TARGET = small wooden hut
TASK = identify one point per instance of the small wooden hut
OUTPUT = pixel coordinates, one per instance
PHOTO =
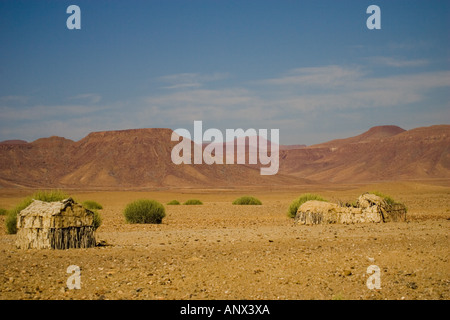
(55, 225)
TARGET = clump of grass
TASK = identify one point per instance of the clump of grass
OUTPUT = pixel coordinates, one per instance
(92, 205)
(173, 203)
(47, 196)
(50, 195)
(386, 198)
(193, 202)
(299, 201)
(11, 219)
(247, 200)
(389, 200)
(3, 212)
(97, 219)
(11, 223)
(144, 211)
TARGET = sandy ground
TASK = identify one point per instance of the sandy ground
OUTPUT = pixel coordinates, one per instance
(221, 251)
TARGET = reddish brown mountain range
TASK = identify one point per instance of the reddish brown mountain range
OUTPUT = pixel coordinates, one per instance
(117, 159)
(382, 153)
(142, 158)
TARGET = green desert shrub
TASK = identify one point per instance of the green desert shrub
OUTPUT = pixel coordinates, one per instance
(97, 219)
(47, 196)
(144, 211)
(299, 201)
(3, 212)
(389, 200)
(193, 202)
(173, 203)
(92, 205)
(247, 200)
(50, 195)
(11, 218)
(386, 198)
(11, 223)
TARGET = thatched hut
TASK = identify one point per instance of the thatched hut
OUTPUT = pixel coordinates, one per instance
(55, 225)
(369, 208)
(387, 211)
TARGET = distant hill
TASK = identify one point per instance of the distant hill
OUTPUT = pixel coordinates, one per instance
(140, 158)
(381, 153)
(373, 134)
(118, 159)
(13, 142)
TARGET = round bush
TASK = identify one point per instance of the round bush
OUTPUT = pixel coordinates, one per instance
(193, 202)
(144, 211)
(3, 212)
(247, 200)
(173, 203)
(92, 205)
(299, 201)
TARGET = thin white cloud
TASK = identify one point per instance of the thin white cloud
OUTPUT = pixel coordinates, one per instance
(87, 97)
(190, 80)
(13, 99)
(328, 75)
(411, 82)
(185, 85)
(398, 63)
(410, 45)
(201, 104)
(202, 97)
(43, 112)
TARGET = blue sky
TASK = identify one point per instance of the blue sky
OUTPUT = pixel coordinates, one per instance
(311, 69)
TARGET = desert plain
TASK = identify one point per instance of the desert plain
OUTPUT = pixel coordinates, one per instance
(222, 251)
